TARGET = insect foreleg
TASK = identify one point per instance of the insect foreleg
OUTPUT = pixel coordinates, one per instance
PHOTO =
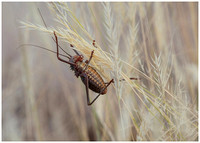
(58, 52)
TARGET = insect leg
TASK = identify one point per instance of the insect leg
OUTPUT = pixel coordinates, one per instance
(132, 78)
(87, 62)
(58, 53)
(90, 57)
(101, 92)
(86, 87)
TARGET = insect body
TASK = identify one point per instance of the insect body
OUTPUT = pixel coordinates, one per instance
(95, 81)
(88, 75)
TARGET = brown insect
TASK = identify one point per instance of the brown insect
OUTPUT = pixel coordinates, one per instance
(89, 76)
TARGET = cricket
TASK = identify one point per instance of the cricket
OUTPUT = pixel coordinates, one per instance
(88, 75)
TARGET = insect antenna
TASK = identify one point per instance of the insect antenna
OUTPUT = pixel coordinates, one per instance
(43, 49)
(52, 37)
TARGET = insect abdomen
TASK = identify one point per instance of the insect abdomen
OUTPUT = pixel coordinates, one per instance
(95, 81)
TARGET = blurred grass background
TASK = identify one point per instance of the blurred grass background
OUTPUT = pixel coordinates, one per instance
(43, 100)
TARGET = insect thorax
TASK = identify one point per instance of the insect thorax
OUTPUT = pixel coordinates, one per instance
(78, 69)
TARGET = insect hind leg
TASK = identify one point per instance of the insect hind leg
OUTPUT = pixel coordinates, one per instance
(132, 78)
(87, 89)
(90, 103)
